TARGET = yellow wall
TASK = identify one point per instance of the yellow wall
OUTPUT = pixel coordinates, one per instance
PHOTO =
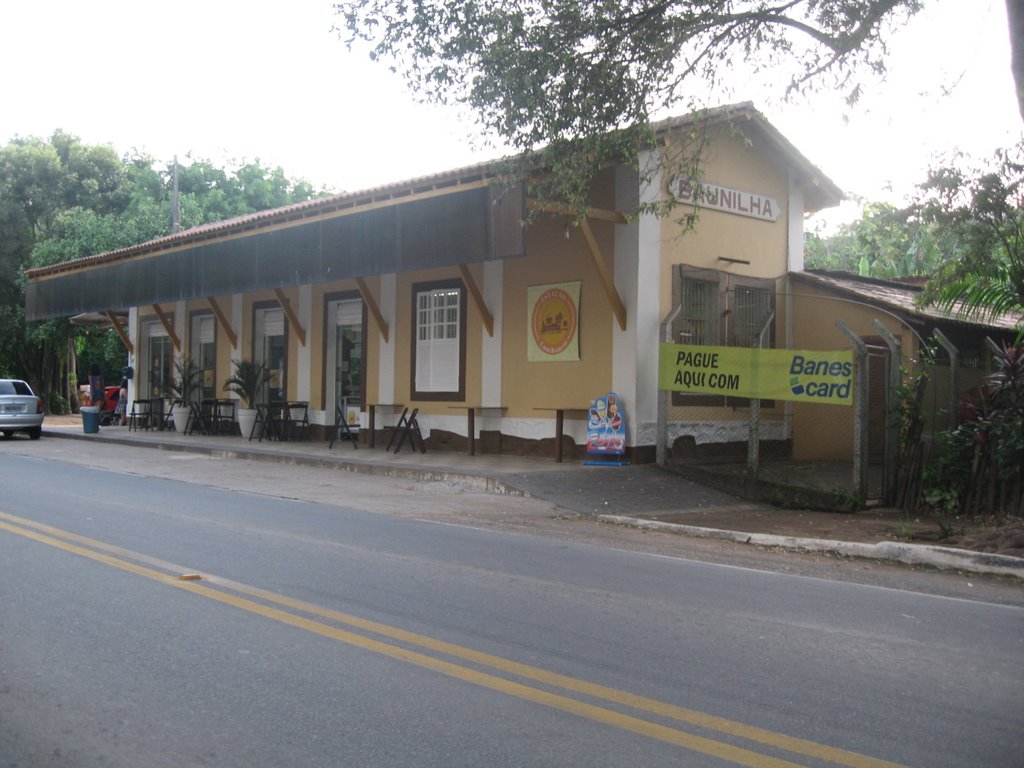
(826, 431)
(554, 259)
(730, 161)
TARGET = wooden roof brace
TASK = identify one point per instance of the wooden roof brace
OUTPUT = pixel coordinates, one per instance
(601, 214)
(120, 332)
(169, 327)
(371, 305)
(602, 272)
(293, 318)
(223, 321)
(478, 299)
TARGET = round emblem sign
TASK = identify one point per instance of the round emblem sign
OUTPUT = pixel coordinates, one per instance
(554, 321)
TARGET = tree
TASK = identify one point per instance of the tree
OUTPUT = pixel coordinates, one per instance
(578, 80)
(61, 199)
(885, 241)
(964, 231)
(982, 209)
(38, 180)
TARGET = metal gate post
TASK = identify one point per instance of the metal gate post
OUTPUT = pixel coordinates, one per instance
(954, 377)
(892, 423)
(860, 414)
(661, 449)
(754, 436)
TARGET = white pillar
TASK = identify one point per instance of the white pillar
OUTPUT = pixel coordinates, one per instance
(490, 354)
(181, 328)
(133, 359)
(236, 322)
(638, 278)
(795, 227)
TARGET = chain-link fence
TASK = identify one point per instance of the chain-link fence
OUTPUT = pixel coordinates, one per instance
(796, 452)
(894, 443)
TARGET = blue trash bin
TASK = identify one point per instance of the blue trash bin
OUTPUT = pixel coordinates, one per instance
(90, 418)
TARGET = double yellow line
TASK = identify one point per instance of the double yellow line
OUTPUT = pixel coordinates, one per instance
(402, 645)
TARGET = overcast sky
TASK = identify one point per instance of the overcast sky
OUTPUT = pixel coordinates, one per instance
(263, 79)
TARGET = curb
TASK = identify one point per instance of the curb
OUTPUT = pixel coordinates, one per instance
(911, 554)
(477, 482)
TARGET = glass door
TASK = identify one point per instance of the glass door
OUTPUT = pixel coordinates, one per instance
(204, 354)
(160, 358)
(345, 358)
(269, 348)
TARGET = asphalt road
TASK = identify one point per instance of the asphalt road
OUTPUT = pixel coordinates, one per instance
(376, 631)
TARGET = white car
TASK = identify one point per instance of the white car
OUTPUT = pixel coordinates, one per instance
(20, 409)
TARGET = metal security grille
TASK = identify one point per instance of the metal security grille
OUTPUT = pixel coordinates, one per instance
(698, 320)
(752, 306)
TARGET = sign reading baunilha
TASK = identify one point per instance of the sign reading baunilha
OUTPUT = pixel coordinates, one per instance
(769, 374)
(725, 199)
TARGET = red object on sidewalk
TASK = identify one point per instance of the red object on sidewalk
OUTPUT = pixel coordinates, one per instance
(110, 397)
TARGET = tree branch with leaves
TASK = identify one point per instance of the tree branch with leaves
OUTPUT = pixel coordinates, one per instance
(579, 80)
(984, 209)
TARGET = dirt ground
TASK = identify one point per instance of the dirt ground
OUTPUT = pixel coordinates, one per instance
(871, 526)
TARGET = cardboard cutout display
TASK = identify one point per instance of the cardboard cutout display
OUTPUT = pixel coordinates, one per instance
(606, 430)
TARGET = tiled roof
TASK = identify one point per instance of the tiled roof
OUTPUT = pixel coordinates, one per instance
(900, 297)
(821, 192)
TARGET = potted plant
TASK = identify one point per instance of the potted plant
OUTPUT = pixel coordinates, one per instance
(186, 384)
(247, 378)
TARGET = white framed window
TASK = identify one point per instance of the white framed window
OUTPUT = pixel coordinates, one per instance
(440, 340)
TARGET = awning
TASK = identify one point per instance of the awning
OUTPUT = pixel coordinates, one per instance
(449, 228)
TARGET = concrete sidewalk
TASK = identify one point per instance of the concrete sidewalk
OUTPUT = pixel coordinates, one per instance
(629, 495)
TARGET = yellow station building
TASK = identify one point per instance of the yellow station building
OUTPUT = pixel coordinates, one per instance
(483, 309)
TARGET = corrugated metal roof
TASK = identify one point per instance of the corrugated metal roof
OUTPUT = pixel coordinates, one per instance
(467, 225)
(304, 212)
(900, 297)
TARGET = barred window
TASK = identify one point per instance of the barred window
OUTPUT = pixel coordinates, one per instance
(751, 309)
(698, 320)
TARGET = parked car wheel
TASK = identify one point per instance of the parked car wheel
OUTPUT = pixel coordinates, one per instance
(35, 433)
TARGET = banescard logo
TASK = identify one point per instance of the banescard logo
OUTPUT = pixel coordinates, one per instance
(820, 378)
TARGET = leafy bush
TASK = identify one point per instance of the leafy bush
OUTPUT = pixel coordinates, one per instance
(984, 455)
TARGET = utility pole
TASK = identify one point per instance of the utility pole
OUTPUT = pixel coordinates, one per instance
(175, 203)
